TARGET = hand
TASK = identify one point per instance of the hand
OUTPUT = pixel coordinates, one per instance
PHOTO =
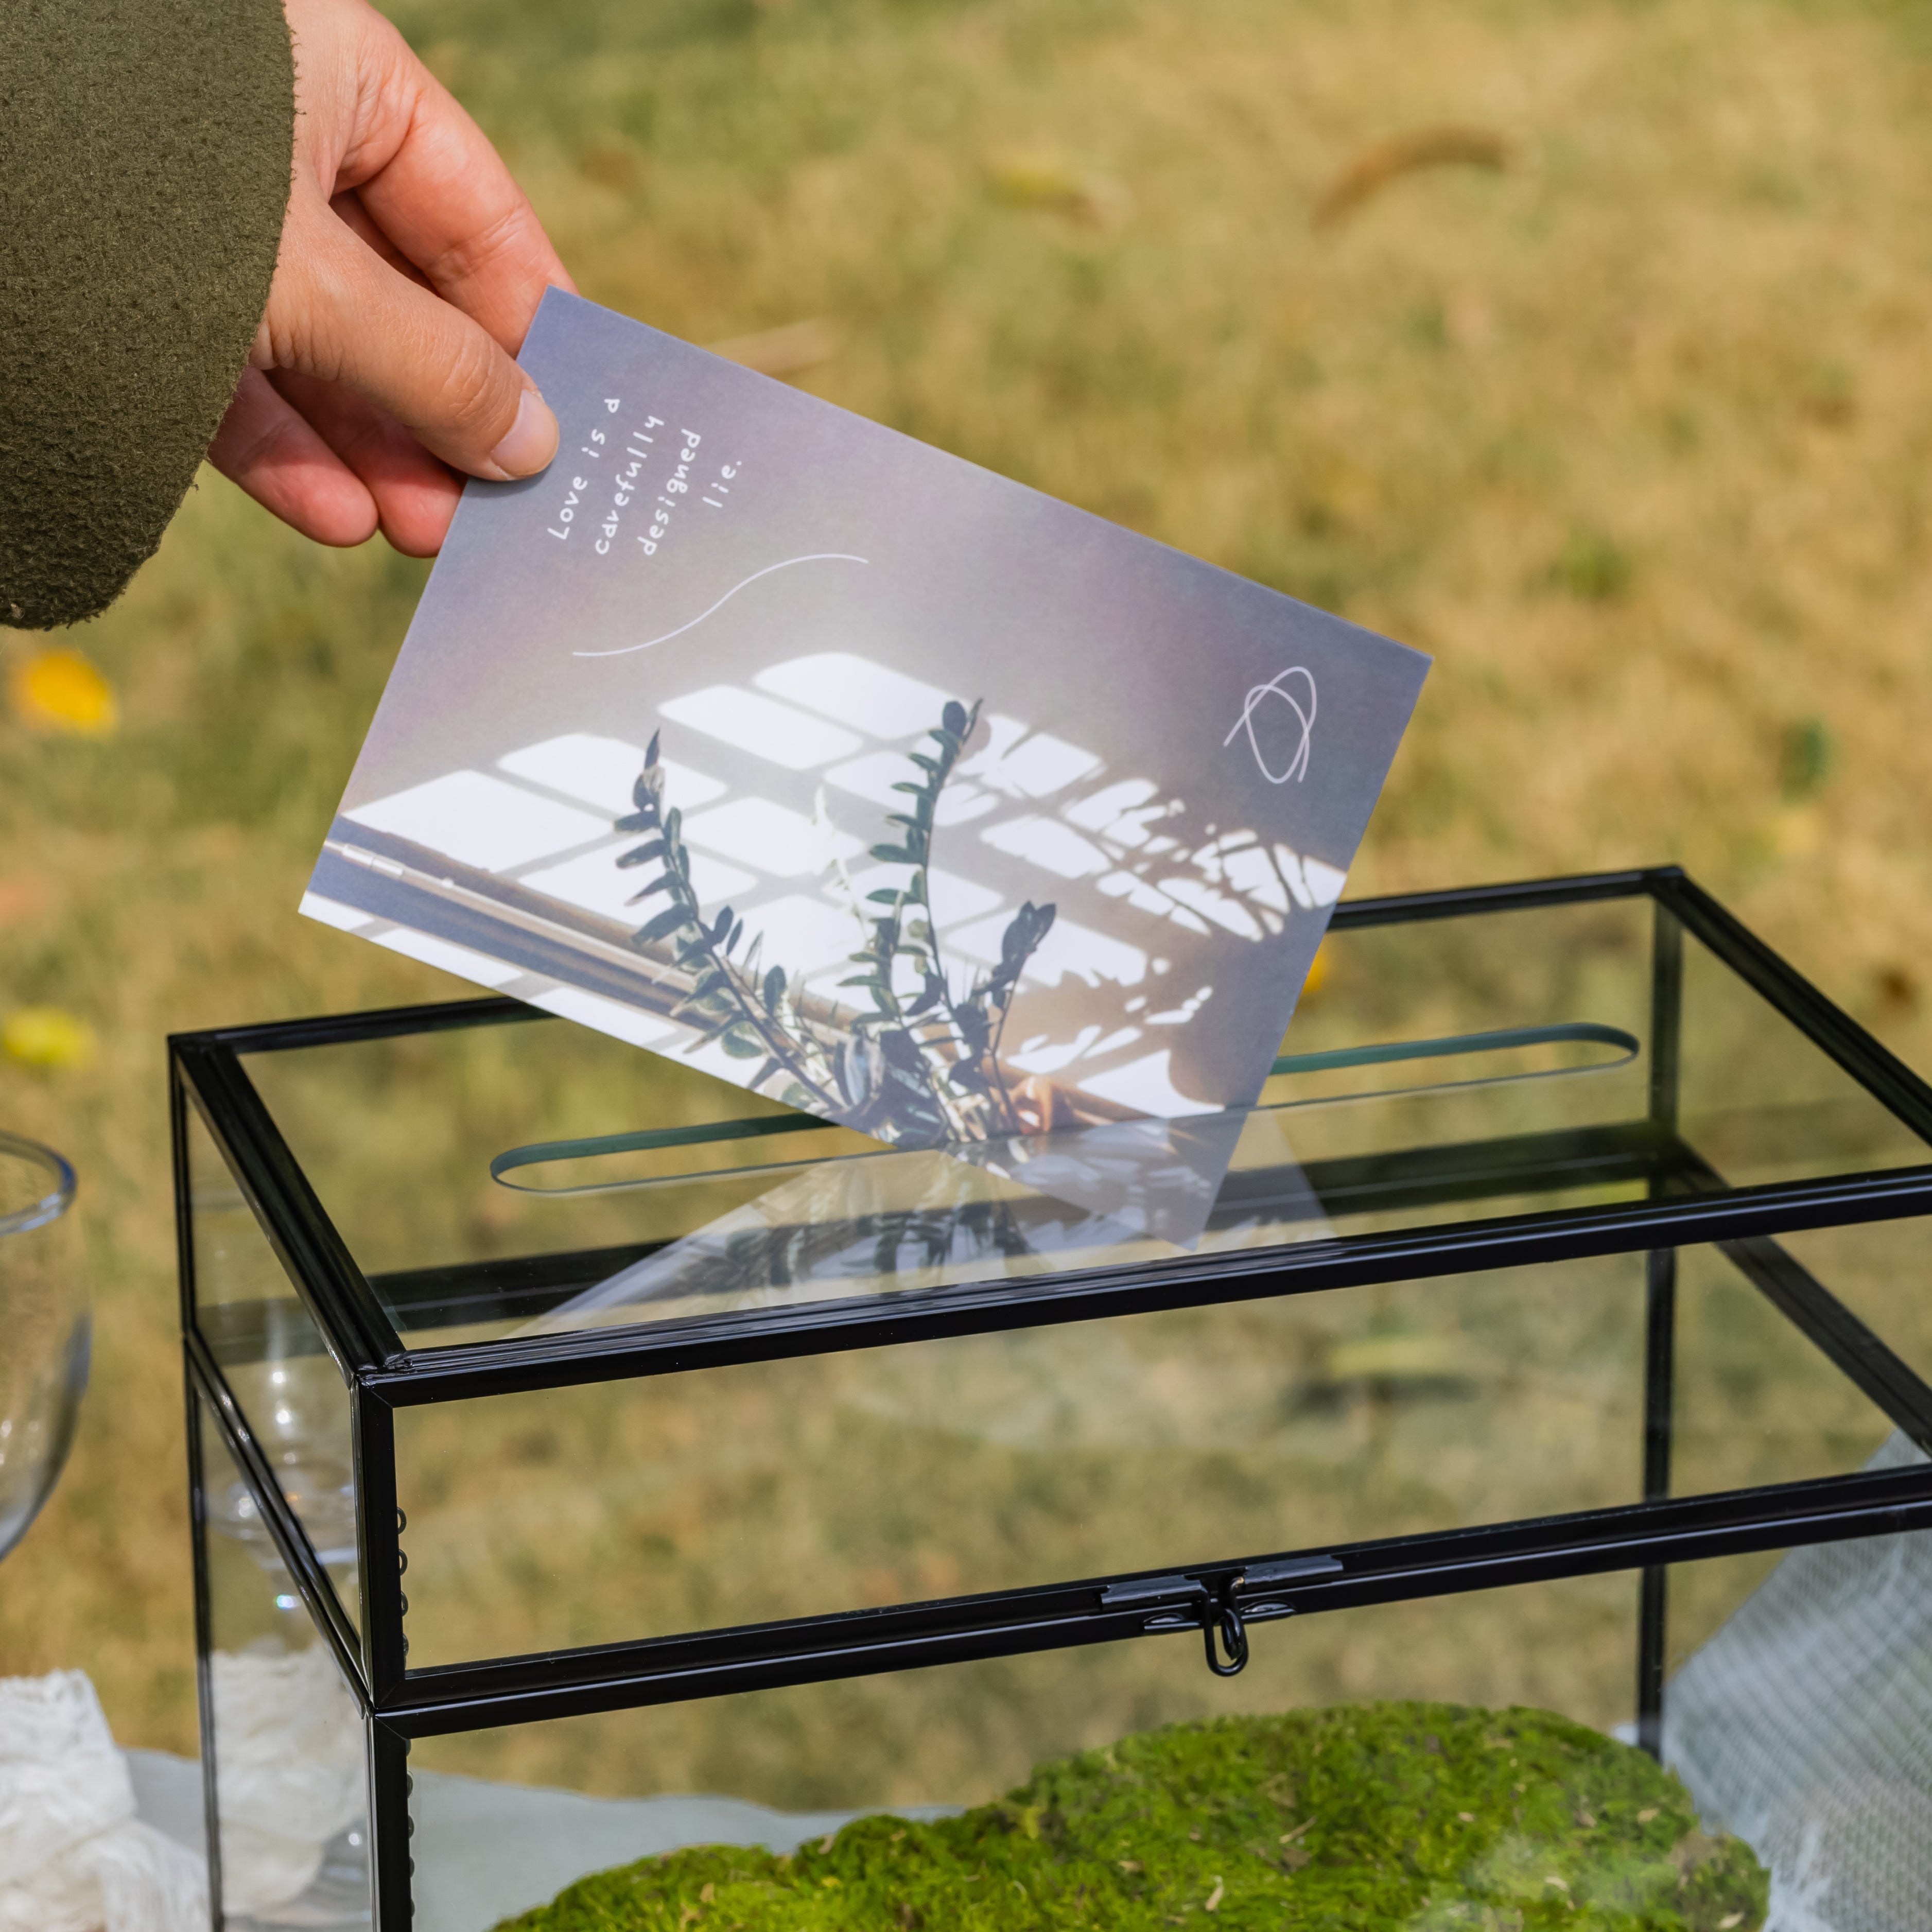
(410, 266)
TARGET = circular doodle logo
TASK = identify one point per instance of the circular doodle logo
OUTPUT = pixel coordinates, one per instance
(1291, 734)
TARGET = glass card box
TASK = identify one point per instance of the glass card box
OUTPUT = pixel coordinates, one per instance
(590, 1459)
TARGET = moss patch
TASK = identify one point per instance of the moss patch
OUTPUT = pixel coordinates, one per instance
(1424, 1816)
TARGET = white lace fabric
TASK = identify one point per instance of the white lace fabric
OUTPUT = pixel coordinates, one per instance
(73, 1857)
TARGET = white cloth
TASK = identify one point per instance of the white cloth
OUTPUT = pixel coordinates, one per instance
(74, 1858)
(290, 1771)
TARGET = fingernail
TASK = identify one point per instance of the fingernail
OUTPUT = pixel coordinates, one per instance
(532, 441)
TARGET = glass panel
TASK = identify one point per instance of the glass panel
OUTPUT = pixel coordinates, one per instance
(399, 1136)
(1792, 1713)
(500, 1825)
(274, 1356)
(286, 1745)
(1538, 970)
(491, 1174)
(1757, 1401)
(1882, 1272)
(948, 1467)
(1760, 1102)
(1802, 1717)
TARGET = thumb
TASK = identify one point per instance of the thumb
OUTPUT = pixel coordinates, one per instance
(337, 311)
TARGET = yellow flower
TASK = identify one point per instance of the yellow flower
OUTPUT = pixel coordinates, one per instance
(57, 690)
(1318, 972)
(47, 1036)
(1041, 178)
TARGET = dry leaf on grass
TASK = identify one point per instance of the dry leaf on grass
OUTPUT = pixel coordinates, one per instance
(1401, 1358)
(1374, 168)
(783, 351)
(612, 162)
(23, 895)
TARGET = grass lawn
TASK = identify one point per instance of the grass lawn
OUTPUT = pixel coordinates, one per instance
(1628, 419)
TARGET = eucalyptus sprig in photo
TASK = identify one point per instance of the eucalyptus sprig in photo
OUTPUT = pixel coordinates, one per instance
(923, 1064)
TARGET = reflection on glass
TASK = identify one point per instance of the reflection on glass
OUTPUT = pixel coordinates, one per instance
(286, 1748)
(915, 1219)
(44, 1334)
(272, 1353)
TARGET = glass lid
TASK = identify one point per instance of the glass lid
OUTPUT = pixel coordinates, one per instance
(520, 1175)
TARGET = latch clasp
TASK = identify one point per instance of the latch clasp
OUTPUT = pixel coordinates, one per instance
(1222, 1605)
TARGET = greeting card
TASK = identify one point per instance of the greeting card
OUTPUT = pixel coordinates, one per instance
(771, 740)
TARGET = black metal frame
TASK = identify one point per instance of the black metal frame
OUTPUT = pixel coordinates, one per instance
(1684, 1202)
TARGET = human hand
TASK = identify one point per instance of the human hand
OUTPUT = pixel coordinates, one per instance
(410, 266)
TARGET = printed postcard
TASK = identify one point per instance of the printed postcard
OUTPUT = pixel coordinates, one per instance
(766, 738)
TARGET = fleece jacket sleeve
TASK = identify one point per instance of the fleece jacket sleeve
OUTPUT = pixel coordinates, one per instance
(145, 152)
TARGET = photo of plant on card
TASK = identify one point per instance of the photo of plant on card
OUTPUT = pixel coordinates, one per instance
(763, 737)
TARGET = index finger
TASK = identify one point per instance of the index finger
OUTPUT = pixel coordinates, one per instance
(429, 178)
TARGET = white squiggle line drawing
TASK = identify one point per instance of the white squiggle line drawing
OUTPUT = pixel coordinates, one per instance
(1297, 766)
(817, 556)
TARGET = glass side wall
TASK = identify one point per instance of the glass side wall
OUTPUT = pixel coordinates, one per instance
(1755, 1400)
(1552, 1004)
(286, 1742)
(1781, 1669)
(949, 1467)
(1760, 1102)
(399, 1136)
(1882, 1272)
(491, 1174)
(272, 1354)
(501, 1819)
(1798, 1710)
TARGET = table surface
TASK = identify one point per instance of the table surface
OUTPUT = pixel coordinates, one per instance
(484, 1851)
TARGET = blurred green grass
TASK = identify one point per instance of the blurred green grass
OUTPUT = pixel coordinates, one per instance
(1633, 434)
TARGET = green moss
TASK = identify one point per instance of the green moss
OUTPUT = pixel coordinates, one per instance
(1429, 1817)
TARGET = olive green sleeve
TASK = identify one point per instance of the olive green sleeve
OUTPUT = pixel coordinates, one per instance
(144, 153)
